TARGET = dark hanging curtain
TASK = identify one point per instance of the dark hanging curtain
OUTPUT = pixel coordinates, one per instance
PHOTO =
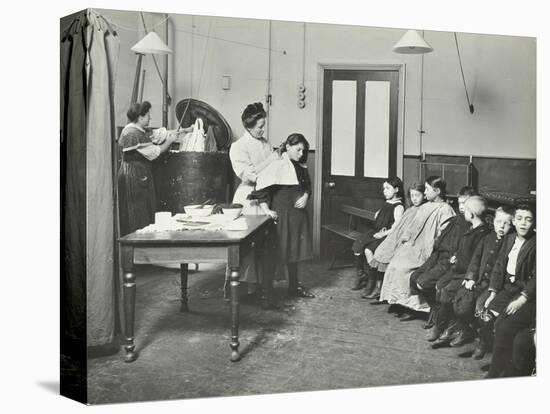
(73, 178)
(103, 49)
(89, 286)
(73, 211)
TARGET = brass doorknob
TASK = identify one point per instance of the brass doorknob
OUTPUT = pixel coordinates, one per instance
(331, 184)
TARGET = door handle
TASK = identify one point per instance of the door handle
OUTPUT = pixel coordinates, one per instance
(330, 184)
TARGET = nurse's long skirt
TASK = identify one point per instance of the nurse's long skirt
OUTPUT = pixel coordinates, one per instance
(250, 269)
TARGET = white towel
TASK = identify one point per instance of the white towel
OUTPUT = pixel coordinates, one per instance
(239, 224)
(279, 172)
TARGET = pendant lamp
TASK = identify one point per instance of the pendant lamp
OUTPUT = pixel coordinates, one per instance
(151, 44)
(412, 43)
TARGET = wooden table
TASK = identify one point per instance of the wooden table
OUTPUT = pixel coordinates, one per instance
(189, 246)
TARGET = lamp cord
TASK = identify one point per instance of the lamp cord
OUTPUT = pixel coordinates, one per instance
(204, 56)
(133, 29)
(193, 33)
(180, 121)
(153, 56)
(421, 130)
(470, 105)
(304, 57)
(268, 93)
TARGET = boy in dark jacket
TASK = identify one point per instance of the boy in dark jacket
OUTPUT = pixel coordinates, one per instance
(424, 278)
(470, 298)
(447, 286)
(512, 298)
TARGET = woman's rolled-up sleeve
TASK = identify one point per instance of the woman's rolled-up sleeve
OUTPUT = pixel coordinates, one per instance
(150, 152)
(158, 136)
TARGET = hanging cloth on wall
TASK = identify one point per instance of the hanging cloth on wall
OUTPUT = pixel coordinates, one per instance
(89, 50)
(73, 185)
(102, 53)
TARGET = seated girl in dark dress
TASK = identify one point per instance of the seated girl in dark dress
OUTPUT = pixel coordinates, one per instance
(364, 247)
(284, 197)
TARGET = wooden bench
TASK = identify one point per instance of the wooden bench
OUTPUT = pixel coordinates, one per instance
(350, 231)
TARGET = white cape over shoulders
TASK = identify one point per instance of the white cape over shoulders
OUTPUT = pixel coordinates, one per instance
(279, 172)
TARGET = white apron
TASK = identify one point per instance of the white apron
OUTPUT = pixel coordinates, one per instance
(246, 154)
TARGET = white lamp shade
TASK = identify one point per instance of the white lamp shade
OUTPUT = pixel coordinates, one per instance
(151, 44)
(412, 43)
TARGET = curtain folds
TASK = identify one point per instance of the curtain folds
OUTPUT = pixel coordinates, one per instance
(89, 50)
(73, 176)
(102, 52)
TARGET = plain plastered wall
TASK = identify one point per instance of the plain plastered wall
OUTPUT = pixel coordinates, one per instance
(499, 70)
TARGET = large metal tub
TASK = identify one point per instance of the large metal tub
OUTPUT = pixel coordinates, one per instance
(191, 178)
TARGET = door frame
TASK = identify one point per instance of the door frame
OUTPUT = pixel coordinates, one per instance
(318, 180)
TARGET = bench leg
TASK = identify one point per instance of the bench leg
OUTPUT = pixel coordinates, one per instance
(333, 261)
(183, 278)
(333, 265)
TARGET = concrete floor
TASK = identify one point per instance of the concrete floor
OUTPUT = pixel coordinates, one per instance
(336, 340)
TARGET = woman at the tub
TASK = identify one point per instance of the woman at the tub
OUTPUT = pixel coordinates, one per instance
(140, 146)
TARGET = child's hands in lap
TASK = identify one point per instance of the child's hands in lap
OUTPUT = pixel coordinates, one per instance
(514, 306)
(468, 284)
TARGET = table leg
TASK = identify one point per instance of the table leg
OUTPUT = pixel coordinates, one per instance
(129, 300)
(183, 277)
(235, 356)
(129, 294)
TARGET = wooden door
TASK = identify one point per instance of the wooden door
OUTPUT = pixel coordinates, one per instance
(360, 109)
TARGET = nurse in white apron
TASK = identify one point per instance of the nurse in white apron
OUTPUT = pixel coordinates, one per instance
(249, 155)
